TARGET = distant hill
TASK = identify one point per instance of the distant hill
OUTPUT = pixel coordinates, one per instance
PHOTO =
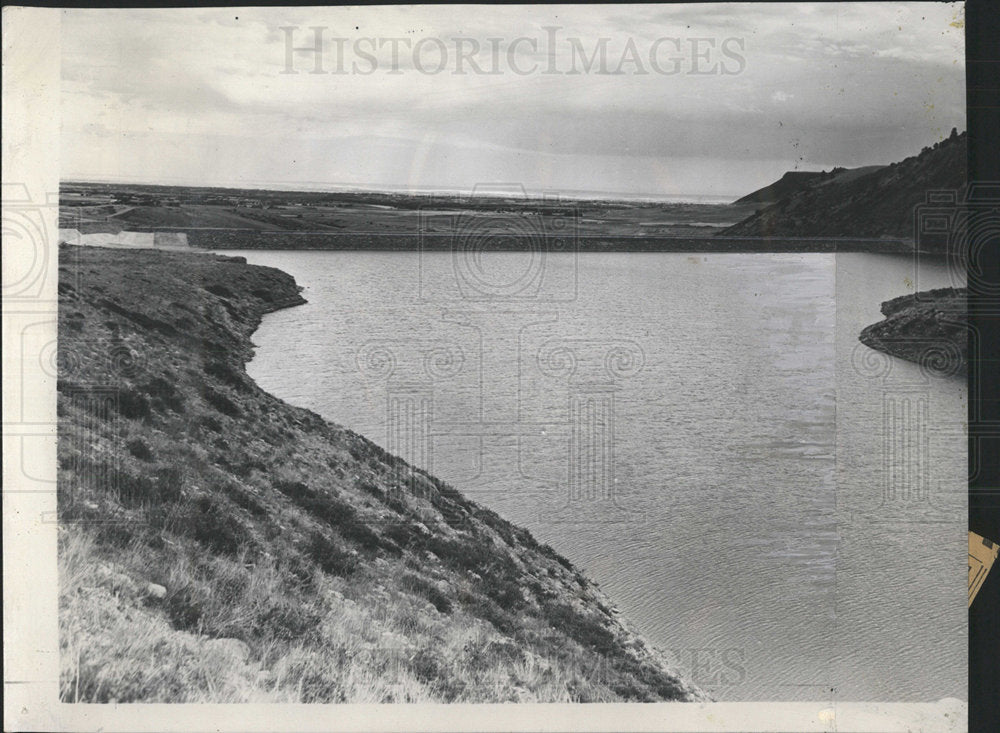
(794, 181)
(863, 202)
(791, 182)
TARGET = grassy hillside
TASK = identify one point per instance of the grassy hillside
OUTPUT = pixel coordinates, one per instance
(217, 544)
(878, 203)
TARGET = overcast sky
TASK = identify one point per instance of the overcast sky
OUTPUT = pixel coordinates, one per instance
(707, 99)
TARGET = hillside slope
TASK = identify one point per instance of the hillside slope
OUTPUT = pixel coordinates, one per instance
(217, 544)
(877, 204)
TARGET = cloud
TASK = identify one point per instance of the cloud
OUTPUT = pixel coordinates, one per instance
(839, 83)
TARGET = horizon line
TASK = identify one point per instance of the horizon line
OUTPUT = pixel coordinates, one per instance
(326, 187)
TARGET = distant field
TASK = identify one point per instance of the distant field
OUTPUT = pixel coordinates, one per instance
(192, 216)
(119, 217)
(254, 219)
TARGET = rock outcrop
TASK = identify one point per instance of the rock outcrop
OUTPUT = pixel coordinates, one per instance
(928, 328)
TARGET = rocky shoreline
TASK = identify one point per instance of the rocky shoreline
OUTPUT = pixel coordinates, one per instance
(219, 545)
(928, 328)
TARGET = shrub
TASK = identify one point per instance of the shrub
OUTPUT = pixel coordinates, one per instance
(132, 404)
(169, 483)
(336, 512)
(587, 631)
(492, 519)
(121, 535)
(364, 451)
(630, 691)
(164, 393)
(139, 449)
(295, 490)
(452, 494)
(227, 374)
(426, 666)
(220, 402)
(212, 423)
(185, 605)
(549, 552)
(478, 557)
(369, 488)
(488, 610)
(651, 679)
(525, 537)
(428, 590)
(392, 498)
(504, 592)
(330, 556)
(165, 485)
(504, 652)
(317, 688)
(298, 568)
(397, 504)
(211, 523)
(290, 620)
(403, 534)
(243, 498)
(454, 516)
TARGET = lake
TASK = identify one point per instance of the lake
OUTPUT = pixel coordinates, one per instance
(763, 497)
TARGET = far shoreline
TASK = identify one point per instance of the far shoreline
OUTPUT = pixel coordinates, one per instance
(403, 242)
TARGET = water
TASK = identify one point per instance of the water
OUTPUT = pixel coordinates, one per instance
(698, 432)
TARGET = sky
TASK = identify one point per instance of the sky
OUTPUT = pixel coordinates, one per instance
(659, 100)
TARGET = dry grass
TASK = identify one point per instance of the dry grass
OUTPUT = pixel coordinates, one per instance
(116, 645)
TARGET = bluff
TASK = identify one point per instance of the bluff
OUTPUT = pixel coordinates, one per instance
(785, 186)
(219, 545)
(867, 202)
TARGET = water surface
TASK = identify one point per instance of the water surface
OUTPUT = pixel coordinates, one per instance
(698, 432)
